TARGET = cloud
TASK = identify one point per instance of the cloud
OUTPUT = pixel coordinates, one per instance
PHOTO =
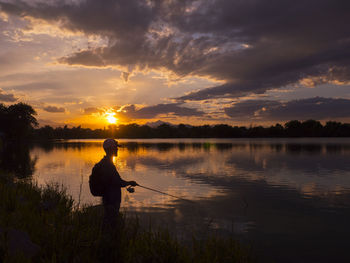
(7, 97)
(222, 91)
(91, 110)
(250, 108)
(54, 109)
(150, 112)
(252, 46)
(42, 86)
(317, 108)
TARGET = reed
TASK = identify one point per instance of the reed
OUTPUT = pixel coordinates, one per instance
(66, 234)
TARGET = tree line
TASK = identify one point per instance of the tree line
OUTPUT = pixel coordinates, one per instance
(18, 121)
(294, 128)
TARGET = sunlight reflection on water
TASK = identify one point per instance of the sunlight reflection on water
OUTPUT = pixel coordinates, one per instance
(186, 168)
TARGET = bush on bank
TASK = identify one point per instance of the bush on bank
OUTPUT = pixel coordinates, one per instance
(43, 225)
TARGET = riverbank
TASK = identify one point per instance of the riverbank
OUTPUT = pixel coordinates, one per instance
(44, 225)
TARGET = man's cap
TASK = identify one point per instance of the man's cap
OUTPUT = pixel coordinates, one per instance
(110, 143)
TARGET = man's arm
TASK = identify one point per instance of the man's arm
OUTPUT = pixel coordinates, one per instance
(124, 183)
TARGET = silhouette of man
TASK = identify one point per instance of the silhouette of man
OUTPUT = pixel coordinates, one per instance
(112, 195)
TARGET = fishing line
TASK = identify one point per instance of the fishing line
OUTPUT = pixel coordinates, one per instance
(160, 192)
(198, 209)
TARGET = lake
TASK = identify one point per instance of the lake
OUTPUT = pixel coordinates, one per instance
(288, 198)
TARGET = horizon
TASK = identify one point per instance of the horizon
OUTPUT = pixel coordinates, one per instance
(91, 63)
(157, 123)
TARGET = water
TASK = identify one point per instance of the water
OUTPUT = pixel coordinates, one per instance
(289, 198)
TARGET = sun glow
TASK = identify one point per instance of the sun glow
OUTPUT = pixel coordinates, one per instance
(110, 117)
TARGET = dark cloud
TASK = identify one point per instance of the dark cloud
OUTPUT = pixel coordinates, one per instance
(223, 91)
(251, 45)
(7, 97)
(313, 108)
(250, 108)
(150, 112)
(54, 109)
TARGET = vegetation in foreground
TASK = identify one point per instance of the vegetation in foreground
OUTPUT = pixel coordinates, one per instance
(43, 225)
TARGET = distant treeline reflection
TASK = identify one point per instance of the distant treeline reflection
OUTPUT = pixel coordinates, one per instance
(294, 128)
(16, 158)
(293, 148)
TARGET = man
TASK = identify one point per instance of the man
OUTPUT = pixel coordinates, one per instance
(111, 197)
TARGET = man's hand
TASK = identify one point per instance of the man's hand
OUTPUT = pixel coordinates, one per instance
(133, 183)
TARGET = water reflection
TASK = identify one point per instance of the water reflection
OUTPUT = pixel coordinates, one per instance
(283, 195)
(15, 159)
(310, 168)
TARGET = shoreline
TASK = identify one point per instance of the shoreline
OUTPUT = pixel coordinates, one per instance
(47, 226)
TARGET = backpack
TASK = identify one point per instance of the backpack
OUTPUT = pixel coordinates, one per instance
(97, 181)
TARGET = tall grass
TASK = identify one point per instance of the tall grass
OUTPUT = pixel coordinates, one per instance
(67, 234)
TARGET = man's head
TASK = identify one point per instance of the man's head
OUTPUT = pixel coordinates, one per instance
(111, 147)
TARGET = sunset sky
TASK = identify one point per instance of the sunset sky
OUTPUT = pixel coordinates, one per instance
(240, 62)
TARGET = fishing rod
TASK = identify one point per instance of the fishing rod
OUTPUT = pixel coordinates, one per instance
(131, 190)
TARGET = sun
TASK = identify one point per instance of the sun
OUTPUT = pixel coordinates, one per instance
(110, 117)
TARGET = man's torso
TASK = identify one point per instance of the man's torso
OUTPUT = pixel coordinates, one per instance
(112, 180)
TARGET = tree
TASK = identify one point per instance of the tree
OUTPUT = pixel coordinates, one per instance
(293, 128)
(332, 128)
(17, 120)
(311, 128)
(276, 131)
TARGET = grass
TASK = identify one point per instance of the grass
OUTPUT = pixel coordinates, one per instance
(66, 234)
